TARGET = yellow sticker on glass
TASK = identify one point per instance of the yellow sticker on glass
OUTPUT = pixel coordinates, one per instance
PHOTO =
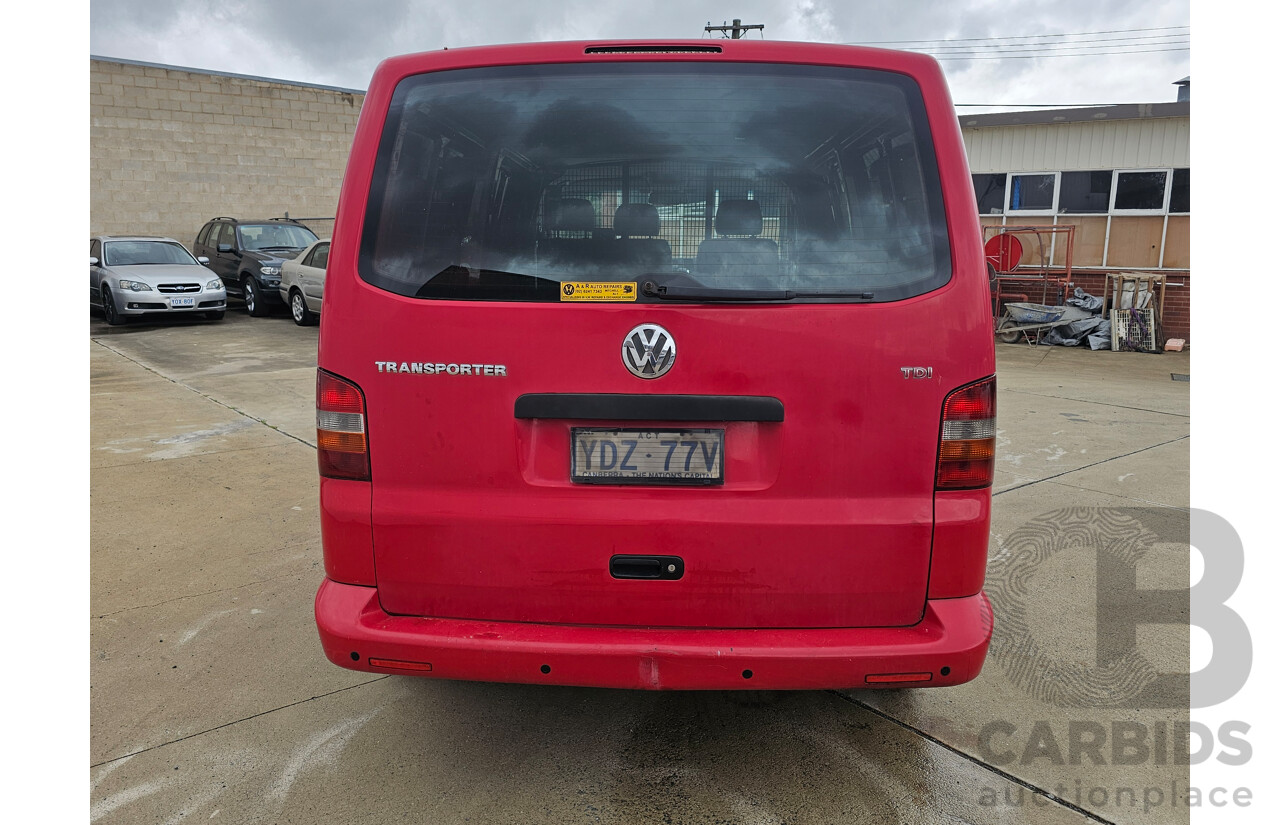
(597, 291)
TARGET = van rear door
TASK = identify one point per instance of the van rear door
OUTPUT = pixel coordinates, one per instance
(539, 238)
(822, 519)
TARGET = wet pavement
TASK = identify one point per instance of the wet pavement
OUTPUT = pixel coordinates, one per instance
(212, 701)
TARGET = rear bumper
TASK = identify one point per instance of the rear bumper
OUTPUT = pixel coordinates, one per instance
(953, 637)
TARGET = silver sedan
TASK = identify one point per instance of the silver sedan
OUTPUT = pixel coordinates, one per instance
(302, 283)
(133, 276)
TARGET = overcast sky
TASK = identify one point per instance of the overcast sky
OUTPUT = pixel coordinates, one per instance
(1006, 52)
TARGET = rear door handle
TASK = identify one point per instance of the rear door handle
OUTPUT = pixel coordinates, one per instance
(646, 567)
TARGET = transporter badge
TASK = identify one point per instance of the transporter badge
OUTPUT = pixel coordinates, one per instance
(648, 351)
(427, 368)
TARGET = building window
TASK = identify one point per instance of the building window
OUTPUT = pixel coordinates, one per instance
(1140, 190)
(1085, 192)
(989, 190)
(1031, 193)
(1093, 192)
(1180, 192)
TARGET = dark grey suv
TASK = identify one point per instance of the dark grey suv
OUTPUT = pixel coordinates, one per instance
(247, 256)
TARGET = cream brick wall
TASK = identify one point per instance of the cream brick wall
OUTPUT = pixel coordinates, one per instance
(170, 148)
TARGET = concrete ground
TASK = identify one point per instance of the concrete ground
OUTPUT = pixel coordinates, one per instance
(211, 698)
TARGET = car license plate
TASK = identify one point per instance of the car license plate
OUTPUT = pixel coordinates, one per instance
(182, 302)
(607, 456)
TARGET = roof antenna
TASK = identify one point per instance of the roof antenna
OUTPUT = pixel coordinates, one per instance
(735, 31)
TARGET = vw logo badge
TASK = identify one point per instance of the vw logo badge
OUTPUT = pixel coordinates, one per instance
(648, 351)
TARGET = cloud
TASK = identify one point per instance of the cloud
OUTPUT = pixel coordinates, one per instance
(334, 42)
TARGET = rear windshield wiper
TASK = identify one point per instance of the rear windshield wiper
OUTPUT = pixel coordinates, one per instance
(698, 293)
(677, 293)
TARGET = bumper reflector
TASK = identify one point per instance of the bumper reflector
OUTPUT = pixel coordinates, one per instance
(421, 667)
(890, 678)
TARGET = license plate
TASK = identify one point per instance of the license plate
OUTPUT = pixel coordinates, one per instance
(182, 302)
(603, 456)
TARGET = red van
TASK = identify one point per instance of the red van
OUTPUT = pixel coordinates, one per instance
(657, 365)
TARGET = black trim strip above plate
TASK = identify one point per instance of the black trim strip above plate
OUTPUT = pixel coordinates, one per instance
(624, 407)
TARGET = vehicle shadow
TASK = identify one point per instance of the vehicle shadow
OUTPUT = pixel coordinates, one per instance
(580, 754)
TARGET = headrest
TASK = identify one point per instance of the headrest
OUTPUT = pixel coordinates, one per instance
(739, 218)
(574, 215)
(637, 219)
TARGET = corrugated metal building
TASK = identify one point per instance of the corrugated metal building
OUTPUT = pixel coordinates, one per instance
(1120, 174)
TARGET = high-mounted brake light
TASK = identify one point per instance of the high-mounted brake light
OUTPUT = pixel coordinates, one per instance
(341, 441)
(967, 447)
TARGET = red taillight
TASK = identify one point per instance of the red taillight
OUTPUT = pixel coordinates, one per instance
(341, 441)
(967, 447)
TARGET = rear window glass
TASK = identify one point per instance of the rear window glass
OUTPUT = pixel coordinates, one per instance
(695, 181)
